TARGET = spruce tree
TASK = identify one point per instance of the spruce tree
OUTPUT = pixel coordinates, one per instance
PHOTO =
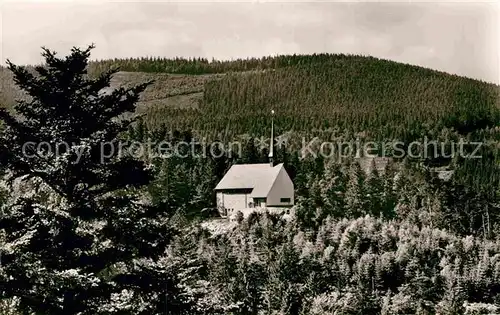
(355, 205)
(250, 153)
(84, 241)
(374, 190)
(332, 189)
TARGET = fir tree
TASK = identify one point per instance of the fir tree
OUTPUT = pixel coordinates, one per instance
(84, 242)
(333, 187)
(374, 191)
(355, 204)
(250, 154)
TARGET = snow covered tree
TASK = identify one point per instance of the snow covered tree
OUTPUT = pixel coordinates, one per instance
(355, 203)
(374, 190)
(83, 241)
(389, 194)
(333, 189)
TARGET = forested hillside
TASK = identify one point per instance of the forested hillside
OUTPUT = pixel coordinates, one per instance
(361, 266)
(124, 237)
(342, 93)
(335, 97)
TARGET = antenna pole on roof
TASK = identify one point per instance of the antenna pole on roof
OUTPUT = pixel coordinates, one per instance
(271, 149)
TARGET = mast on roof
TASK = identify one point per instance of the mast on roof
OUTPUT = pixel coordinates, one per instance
(271, 145)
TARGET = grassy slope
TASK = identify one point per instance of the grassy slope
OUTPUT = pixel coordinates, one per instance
(167, 90)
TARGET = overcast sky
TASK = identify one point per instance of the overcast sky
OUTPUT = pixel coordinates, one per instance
(461, 38)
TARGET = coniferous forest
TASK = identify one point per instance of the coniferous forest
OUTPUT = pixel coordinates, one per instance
(137, 234)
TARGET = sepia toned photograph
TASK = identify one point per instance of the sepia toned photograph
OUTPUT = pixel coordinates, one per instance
(249, 157)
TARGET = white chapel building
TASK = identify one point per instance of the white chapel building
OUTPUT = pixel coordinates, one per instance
(247, 187)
